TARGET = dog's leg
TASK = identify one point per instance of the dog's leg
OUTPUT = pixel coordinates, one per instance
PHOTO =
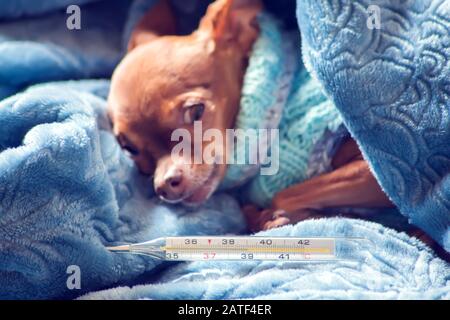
(351, 185)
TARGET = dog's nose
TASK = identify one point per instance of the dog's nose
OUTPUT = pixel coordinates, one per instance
(171, 187)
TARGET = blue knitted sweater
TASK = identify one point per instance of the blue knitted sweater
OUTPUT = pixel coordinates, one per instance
(279, 92)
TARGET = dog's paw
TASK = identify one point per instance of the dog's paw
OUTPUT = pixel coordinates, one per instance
(265, 219)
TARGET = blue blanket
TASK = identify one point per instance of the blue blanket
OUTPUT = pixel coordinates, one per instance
(394, 266)
(67, 190)
(392, 87)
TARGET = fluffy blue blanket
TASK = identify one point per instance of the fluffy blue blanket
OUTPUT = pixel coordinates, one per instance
(394, 267)
(67, 190)
(392, 87)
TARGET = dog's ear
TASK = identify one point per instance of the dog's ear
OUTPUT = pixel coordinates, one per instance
(158, 21)
(229, 21)
(217, 20)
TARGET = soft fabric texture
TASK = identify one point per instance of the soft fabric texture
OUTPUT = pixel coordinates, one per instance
(393, 90)
(39, 50)
(393, 266)
(67, 190)
(278, 92)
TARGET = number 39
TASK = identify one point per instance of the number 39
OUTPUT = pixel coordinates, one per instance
(247, 256)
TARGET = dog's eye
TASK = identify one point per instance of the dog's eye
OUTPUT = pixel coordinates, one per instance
(126, 145)
(111, 124)
(132, 151)
(193, 112)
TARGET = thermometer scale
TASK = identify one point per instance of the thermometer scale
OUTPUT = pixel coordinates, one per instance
(194, 248)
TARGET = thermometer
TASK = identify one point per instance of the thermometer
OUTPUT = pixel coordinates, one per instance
(244, 248)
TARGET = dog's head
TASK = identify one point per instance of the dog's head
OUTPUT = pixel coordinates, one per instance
(168, 82)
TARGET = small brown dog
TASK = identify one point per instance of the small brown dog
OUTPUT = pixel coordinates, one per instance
(167, 82)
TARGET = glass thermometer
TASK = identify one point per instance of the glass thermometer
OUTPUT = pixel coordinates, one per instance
(194, 248)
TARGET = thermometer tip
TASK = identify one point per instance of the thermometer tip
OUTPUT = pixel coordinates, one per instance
(119, 248)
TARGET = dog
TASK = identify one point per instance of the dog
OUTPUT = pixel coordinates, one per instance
(167, 82)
